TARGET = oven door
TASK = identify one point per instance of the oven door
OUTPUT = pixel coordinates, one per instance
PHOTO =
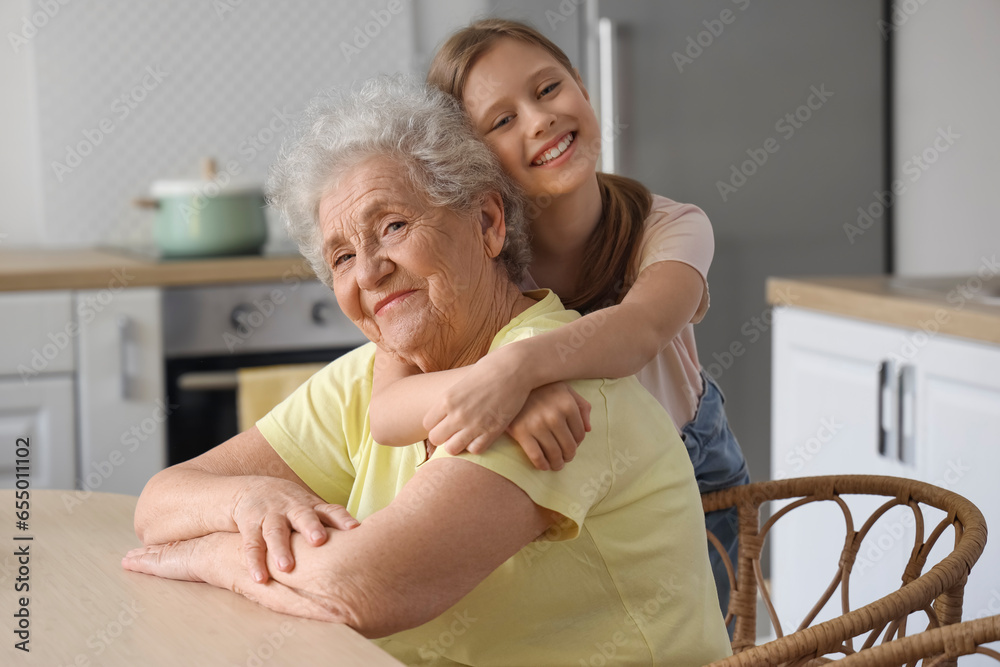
(203, 394)
(212, 332)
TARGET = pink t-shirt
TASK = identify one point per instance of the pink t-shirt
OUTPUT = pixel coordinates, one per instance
(680, 233)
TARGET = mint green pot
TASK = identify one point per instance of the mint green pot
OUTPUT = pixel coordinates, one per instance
(198, 219)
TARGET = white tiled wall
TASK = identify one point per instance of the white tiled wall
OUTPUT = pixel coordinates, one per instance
(129, 92)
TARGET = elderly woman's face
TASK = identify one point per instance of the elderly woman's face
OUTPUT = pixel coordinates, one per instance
(410, 275)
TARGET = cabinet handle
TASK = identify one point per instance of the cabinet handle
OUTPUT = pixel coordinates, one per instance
(128, 357)
(906, 412)
(885, 413)
(208, 381)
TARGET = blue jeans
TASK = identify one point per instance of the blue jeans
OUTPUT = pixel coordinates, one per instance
(718, 464)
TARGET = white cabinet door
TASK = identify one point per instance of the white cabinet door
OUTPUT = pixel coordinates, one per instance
(40, 412)
(957, 411)
(38, 332)
(121, 393)
(827, 376)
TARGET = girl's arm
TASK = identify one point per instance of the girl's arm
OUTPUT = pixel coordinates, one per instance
(549, 427)
(401, 396)
(614, 342)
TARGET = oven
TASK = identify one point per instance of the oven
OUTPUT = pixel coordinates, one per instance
(210, 332)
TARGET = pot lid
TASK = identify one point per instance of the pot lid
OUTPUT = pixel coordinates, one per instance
(204, 188)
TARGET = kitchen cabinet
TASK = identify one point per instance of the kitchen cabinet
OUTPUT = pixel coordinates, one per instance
(123, 414)
(39, 415)
(37, 361)
(958, 429)
(852, 396)
(81, 377)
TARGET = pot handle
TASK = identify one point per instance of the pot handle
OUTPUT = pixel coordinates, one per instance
(146, 202)
(209, 170)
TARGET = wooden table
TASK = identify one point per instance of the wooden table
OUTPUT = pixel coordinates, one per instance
(85, 610)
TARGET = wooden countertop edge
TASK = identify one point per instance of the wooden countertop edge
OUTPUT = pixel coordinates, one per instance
(910, 312)
(130, 272)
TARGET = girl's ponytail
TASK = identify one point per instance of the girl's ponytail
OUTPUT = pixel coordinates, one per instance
(614, 244)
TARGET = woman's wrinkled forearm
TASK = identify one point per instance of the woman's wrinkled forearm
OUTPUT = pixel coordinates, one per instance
(182, 503)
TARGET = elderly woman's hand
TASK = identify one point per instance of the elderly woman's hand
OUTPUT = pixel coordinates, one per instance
(214, 559)
(266, 512)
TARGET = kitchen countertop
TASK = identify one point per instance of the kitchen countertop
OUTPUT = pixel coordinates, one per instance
(45, 269)
(964, 306)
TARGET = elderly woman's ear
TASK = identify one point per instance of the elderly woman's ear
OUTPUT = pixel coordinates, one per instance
(493, 223)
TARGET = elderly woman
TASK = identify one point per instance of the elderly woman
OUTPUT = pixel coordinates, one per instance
(408, 217)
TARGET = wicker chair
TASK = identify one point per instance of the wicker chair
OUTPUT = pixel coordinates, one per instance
(935, 647)
(938, 592)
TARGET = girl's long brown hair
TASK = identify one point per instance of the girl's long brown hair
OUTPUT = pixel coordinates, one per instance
(625, 203)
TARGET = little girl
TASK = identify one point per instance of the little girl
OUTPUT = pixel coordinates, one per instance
(632, 263)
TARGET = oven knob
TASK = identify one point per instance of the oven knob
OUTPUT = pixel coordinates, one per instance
(238, 318)
(323, 312)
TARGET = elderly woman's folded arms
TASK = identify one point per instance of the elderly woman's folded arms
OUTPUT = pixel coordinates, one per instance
(475, 559)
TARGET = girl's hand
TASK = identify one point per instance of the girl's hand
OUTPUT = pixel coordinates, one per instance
(266, 512)
(551, 425)
(475, 411)
(493, 398)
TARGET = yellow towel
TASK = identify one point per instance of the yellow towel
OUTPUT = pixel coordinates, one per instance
(263, 387)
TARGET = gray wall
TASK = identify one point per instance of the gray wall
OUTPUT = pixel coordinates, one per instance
(691, 122)
(948, 53)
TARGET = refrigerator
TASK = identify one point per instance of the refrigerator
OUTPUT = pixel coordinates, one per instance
(773, 117)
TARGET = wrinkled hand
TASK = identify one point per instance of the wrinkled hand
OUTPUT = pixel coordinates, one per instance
(187, 560)
(551, 425)
(215, 559)
(266, 513)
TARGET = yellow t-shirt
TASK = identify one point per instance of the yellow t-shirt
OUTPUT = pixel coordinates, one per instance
(624, 579)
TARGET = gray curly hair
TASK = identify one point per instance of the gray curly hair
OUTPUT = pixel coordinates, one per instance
(398, 118)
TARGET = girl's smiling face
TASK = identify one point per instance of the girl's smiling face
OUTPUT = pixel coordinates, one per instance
(535, 115)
